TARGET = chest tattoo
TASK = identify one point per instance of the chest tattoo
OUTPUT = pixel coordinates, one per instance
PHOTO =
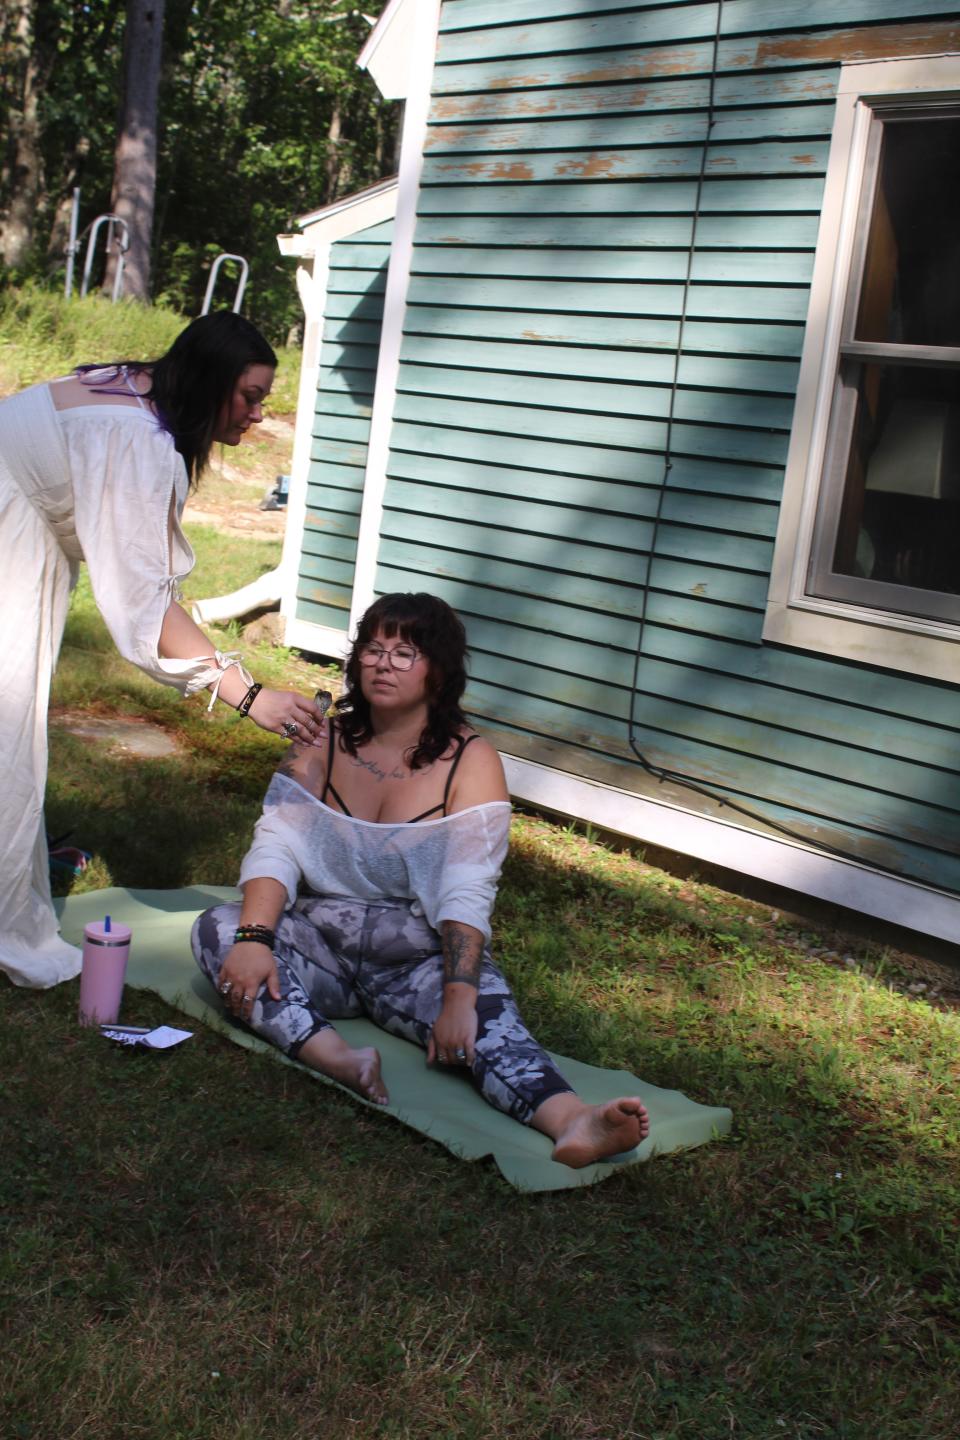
(377, 772)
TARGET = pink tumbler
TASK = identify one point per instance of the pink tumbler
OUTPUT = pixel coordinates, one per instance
(105, 950)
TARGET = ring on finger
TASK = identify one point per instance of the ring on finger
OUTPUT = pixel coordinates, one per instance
(225, 988)
(290, 729)
(460, 1053)
(247, 1000)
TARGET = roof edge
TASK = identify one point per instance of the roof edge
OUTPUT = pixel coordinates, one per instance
(386, 54)
(342, 217)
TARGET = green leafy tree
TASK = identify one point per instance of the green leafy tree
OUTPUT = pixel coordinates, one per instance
(267, 116)
(263, 115)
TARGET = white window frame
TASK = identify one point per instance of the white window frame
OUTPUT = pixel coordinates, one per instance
(794, 617)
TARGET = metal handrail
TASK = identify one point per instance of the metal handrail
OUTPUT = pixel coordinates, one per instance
(118, 236)
(241, 283)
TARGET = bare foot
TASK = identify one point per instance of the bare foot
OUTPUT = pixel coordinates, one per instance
(600, 1130)
(358, 1069)
(364, 1076)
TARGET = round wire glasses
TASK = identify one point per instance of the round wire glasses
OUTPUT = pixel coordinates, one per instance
(401, 657)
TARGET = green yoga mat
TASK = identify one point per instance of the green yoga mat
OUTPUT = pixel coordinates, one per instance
(442, 1105)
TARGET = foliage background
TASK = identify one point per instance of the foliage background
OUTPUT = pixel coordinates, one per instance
(263, 116)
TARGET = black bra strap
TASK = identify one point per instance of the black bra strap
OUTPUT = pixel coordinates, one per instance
(453, 768)
(425, 814)
(328, 782)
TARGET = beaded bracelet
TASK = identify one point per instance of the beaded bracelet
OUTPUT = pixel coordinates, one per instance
(256, 934)
(244, 707)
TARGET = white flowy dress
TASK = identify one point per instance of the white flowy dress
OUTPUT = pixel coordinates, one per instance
(102, 483)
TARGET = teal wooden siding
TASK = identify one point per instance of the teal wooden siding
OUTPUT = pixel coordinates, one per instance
(555, 229)
(353, 314)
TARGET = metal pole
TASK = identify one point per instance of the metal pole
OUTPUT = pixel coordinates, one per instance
(88, 258)
(122, 243)
(72, 244)
(241, 284)
(117, 280)
(120, 239)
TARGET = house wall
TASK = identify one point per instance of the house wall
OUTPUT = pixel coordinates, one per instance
(353, 314)
(548, 319)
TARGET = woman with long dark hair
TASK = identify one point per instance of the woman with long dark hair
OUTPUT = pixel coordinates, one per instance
(369, 888)
(96, 466)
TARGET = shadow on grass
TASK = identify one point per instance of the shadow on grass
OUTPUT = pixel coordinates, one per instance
(612, 962)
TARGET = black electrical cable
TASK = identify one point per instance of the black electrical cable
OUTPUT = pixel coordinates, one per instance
(661, 773)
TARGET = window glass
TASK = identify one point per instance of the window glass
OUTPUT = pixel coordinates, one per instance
(911, 285)
(900, 518)
(889, 515)
(866, 563)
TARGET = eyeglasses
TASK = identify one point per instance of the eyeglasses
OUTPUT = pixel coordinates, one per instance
(401, 657)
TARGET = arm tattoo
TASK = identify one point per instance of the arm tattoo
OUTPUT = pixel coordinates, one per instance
(288, 765)
(462, 953)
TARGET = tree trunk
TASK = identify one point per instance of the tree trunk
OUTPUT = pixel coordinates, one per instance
(60, 226)
(23, 177)
(135, 158)
(333, 160)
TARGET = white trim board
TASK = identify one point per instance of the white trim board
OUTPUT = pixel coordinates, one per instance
(318, 639)
(322, 229)
(390, 48)
(394, 306)
(312, 285)
(354, 212)
(794, 867)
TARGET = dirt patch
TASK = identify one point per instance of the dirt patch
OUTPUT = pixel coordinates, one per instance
(238, 479)
(236, 517)
(136, 738)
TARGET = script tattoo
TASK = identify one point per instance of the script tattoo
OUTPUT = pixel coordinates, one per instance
(462, 953)
(376, 771)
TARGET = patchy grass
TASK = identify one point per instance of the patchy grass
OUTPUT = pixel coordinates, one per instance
(125, 812)
(205, 1245)
(43, 335)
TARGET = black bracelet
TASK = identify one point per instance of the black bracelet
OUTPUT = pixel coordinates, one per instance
(256, 934)
(244, 707)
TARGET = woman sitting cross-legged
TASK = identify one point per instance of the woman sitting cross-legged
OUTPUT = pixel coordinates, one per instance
(369, 887)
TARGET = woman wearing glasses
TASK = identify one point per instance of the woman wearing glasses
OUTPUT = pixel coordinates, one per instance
(369, 887)
(95, 466)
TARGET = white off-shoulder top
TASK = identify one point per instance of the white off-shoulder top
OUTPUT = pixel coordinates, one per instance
(448, 867)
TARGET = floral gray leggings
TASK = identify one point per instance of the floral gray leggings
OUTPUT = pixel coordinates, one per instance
(338, 959)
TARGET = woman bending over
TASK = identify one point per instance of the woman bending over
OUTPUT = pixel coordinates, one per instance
(96, 466)
(369, 887)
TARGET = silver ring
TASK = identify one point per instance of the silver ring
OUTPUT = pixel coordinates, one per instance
(226, 987)
(247, 1000)
(290, 729)
(460, 1054)
(442, 1057)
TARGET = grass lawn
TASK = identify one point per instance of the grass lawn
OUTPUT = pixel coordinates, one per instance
(205, 1245)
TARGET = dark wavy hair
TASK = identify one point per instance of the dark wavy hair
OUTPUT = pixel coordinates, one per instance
(197, 376)
(437, 632)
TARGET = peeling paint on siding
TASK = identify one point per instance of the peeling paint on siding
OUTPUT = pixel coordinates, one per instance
(541, 103)
(592, 167)
(538, 312)
(866, 43)
(491, 169)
